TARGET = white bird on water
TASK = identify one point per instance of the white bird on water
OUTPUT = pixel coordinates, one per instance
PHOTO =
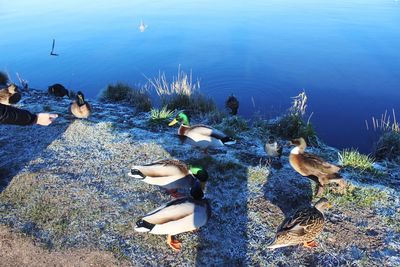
(142, 26)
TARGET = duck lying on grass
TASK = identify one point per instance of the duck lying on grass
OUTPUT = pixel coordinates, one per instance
(10, 95)
(177, 216)
(314, 167)
(79, 107)
(200, 135)
(302, 227)
(170, 174)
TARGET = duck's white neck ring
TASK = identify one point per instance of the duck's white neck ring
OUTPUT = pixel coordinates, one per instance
(296, 150)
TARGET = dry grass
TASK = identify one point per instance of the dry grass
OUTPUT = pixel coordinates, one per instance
(181, 93)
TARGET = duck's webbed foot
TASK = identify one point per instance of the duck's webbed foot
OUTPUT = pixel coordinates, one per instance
(174, 243)
(310, 244)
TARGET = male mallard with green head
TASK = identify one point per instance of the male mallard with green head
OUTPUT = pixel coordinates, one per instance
(177, 216)
(10, 95)
(170, 174)
(200, 135)
(79, 107)
(302, 227)
(314, 167)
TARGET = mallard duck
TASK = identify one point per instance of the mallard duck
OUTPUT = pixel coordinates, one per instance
(314, 167)
(57, 90)
(79, 107)
(177, 216)
(170, 174)
(302, 227)
(200, 135)
(10, 95)
(233, 104)
(273, 148)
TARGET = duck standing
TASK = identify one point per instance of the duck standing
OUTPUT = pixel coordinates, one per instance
(170, 174)
(314, 167)
(177, 216)
(302, 227)
(202, 136)
(233, 104)
(80, 108)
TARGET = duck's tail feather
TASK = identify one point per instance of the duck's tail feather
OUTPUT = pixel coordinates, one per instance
(228, 140)
(143, 226)
(136, 173)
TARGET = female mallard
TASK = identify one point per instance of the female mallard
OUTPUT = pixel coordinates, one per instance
(200, 135)
(177, 216)
(302, 227)
(79, 107)
(10, 95)
(314, 167)
(170, 174)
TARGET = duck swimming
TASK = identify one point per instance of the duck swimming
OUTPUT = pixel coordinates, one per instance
(170, 174)
(314, 167)
(79, 107)
(200, 135)
(177, 216)
(302, 227)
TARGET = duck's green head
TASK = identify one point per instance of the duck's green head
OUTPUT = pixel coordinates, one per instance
(201, 175)
(182, 118)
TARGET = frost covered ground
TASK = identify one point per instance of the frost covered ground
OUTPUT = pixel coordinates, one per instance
(65, 186)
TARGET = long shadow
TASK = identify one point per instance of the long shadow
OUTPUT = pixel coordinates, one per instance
(22, 144)
(288, 191)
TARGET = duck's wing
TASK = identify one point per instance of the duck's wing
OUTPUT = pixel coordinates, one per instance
(207, 130)
(164, 168)
(299, 223)
(171, 211)
(319, 164)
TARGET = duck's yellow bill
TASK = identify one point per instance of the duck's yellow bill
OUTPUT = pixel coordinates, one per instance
(172, 122)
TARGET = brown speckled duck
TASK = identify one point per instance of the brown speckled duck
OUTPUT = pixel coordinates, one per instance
(79, 107)
(177, 216)
(10, 95)
(302, 227)
(314, 167)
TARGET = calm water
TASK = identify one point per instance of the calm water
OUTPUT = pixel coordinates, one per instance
(345, 54)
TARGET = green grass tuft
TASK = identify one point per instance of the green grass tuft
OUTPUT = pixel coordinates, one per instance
(361, 197)
(388, 146)
(123, 93)
(160, 115)
(354, 159)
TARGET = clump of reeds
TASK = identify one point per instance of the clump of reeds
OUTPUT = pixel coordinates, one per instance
(293, 125)
(388, 144)
(123, 93)
(181, 93)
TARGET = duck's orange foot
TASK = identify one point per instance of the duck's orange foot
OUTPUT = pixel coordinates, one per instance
(174, 243)
(310, 244)
(174, 193)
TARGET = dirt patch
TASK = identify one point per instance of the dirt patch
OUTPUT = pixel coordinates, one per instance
(19, 250)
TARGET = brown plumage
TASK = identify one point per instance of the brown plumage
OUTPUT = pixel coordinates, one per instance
(10, 95)
(80, 108)
(233, 104)
(302, 227)
(314, 167)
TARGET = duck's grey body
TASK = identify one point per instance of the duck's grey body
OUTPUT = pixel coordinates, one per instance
(169, 174)
(204, 136)
(177, 216)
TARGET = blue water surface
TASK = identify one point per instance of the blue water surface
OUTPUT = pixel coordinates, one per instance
(344, 54)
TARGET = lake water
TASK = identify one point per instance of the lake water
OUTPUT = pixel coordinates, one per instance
(344, 54)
